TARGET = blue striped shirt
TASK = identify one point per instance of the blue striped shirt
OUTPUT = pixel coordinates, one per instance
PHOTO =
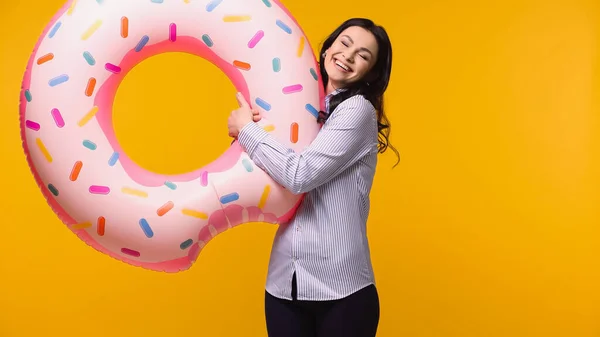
(325, 243)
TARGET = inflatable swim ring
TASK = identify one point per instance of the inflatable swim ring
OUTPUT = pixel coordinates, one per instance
(154, 221)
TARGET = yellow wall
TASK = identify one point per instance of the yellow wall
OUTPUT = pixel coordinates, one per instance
(489, 226)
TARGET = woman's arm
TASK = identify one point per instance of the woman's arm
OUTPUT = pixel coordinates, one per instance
(347, 136)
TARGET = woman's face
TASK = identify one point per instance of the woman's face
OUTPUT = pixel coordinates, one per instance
(350, 57)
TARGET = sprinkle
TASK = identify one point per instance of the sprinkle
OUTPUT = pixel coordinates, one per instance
(89, 144)
(131, 191)
(101, 224)
(229, 198)
(207, 40)
(112, 68)
(294, 132)
(130, 252)
(58, 119)
(276, 64)
(88, 116)
(75, 171)
(314, 74)
(124, 27)
(82, 225)
(185, 244)
(261, 103)
(170, 185)
(45, 58)
(267, 3)
(312, 110)
(113, 159)
(241, 65)
(269, 128)
(173, 32)
(264, 196)
(89, 58)
(195, 214)
(300, 46)
(204, 178)
(142, 43)
(32, 125)
(256, 38)
(212, 5)
(165, 208)
(72, 7)
(157, 1)
(247, 165)
(58, 80)
(54, 29)
(42, 147)
(95, 189)
(28, 95)
(292, 89)
(90, 31)
(53, 189)
(100, 2)
(146, 228)
(89, 89)
(283, 26)
(236, 18)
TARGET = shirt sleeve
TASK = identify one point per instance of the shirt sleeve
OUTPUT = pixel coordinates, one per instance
(347, 136)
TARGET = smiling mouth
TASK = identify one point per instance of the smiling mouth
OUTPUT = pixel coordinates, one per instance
(342, 66)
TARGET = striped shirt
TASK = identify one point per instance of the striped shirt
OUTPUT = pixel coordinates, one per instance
(325, 243)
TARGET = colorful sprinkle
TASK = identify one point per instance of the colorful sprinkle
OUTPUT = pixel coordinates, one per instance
(142, 43)
(100, 2)
(267, 3)
(292, 89)
(88, 116)
(54, 29)
(269, 128)
(53, 190)
(283, 26)
(157, 1)
(212, 5)
(101, 224)
(89, 58)
(312, 110)
(146, 228)
(276, 64)
(96, 189)
(172, 32)
(75, 171)
(261, 103)
(90, 145)
(256, 38)
(124, 27)
(131, 252)
(43, 149)
(134, 192)
(165, 208)
(32, 125)
(58, 80)
(170, 185)
(314, 74)
(72, 7)
(45, 58)
(207, 40)
(236, 18)
(231, 197)
(112, 68)
(58, 118)
(300, 47)
(241, 65)
(113, 159)
(82, 225)
(89, 89)
(185, 244)
(90, 31)
(195, 214)
(28, 95)
(264, 196)
(294, 132)
(247, 165)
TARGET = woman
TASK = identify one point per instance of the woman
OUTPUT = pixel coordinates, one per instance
(320, 280)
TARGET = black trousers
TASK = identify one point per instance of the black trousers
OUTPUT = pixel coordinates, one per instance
(354, 316)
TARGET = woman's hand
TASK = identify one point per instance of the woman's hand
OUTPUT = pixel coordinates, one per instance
(242, 116)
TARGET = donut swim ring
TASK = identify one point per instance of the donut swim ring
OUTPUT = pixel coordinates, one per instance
(161, 222)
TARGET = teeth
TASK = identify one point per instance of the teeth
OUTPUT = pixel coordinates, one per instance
(341, 65)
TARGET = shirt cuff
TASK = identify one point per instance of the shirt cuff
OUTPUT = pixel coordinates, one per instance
(250, 136)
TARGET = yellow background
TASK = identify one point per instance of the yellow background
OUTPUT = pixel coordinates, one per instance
(489, 227)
